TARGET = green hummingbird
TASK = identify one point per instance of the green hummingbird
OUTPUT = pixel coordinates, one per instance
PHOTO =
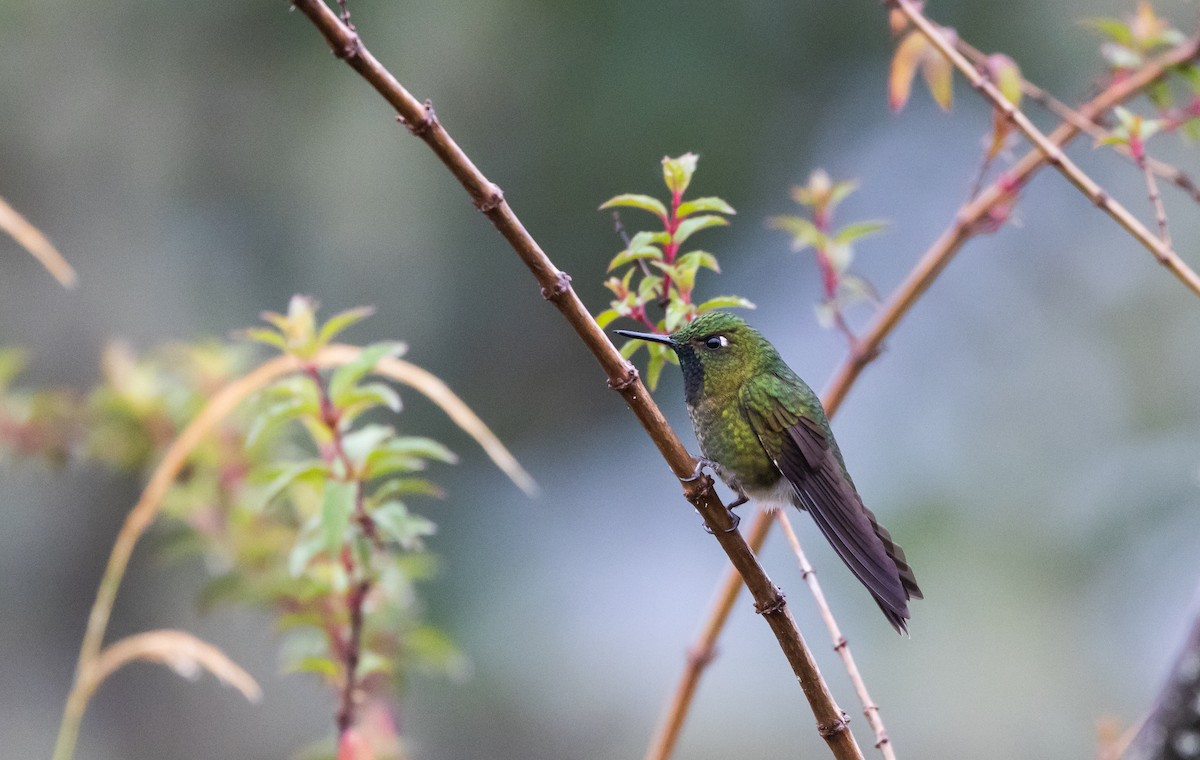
(766, 435)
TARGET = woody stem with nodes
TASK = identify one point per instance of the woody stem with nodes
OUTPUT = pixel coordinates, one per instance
(556, 287)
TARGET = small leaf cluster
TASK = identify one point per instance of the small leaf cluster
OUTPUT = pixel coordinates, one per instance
(915, 52)
(346, 533)
(833, 248)
(657, 286)
(1129, 44)
(299, 502)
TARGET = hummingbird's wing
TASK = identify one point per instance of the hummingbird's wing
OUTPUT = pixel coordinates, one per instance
(784, 418)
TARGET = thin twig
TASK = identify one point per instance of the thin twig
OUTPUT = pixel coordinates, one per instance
(840, 644)
(1160, 211)
(556, 288)
(38, 245)
(1170, 173)
(970, 220)
(1054, 154)
(146, 509)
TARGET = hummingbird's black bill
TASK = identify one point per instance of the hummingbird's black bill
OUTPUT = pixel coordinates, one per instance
(652, 337)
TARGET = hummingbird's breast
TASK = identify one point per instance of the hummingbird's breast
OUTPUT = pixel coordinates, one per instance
(729, 442)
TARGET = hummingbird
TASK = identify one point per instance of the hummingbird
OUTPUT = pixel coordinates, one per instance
(766, 435)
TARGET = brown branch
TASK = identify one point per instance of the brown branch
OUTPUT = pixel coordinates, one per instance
(1097, 131)
(556, 288)
(971, 219)
(1053, 152)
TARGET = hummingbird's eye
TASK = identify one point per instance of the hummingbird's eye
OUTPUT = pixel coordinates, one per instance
(716, 341)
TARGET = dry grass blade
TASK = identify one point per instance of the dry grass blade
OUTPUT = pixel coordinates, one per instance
(38, 245)
(182, 652)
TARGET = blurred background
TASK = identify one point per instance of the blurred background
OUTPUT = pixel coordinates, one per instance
(1031, 435)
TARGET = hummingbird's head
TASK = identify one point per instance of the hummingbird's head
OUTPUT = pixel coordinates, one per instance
(717, 351)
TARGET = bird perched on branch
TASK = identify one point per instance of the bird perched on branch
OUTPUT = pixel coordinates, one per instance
(765, 434)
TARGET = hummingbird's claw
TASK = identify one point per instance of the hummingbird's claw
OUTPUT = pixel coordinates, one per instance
(733, 519)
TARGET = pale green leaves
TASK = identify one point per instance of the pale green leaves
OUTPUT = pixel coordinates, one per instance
(659, 278)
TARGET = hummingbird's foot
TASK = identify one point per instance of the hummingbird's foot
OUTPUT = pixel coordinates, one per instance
(698, 472)
(741, 499)
(734, 521)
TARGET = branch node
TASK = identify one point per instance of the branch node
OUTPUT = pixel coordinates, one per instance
(841, 644)
(883, 739)
(562, 286)
(631, 377)
(773, 606)
(351, 48)
(491, 201)
(827, 730)
(427, 122)
(700, 657)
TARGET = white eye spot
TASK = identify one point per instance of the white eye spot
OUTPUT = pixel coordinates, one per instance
(716, 341)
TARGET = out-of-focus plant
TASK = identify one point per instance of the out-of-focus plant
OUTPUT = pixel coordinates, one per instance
(657, 286)
(338, 514)
(298, 502)
(833, 248)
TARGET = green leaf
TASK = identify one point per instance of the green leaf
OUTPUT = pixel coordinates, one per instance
(361, 443)
(309, 544)
(631, 347)
(1191, 73)
(433, 649)
(342, 320)
(381, 463)
(677, 172)
(710, 203)
(402, 486)
(263, 335)
(400, 525)
(694, 224)
(649, 287)
(725, 302)
(852, 232)
(804, 233)
(606, 317)
(275, 416)
(335, 514)
(322, 666)
(633, 200)
(347, 376)
(839, 192)
(1115, 29)
(632, 254)
(363, 398)
(12, 362)
(424, 448)
(310, 470)
(678, 314)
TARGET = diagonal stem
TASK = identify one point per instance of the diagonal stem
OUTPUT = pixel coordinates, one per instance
(1052, 150)
(622, 377)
